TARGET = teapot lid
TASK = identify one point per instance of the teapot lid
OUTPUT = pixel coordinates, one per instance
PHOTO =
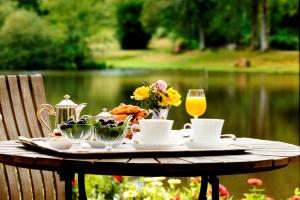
(66, 103)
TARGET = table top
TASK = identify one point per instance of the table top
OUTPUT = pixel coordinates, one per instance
(263, 155)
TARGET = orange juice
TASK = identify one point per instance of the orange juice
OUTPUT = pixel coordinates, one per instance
(195, 106)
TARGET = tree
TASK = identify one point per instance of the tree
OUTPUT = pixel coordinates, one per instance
(201, 35)
(264, 27)
(192, 15)
(6, 8)
(254, 24)
(130, 31)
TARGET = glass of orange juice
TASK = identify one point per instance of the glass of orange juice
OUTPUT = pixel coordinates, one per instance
(195, 103)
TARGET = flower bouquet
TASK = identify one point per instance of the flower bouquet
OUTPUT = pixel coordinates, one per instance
(158, 98)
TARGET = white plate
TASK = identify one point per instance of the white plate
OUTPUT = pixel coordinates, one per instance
(174, 139)
(197, 145)
(154, 146)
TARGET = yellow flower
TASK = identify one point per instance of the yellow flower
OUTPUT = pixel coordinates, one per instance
(141, 93)
(171, 98)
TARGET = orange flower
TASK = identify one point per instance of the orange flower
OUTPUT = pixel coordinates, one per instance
(296, 197)
(74, 182)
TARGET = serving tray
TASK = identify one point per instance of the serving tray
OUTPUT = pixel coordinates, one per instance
(128, 150)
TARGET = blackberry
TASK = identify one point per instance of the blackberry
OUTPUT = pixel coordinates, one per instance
(63, 126)
(120, 123)
(70, 119)
(110, 121)
(81, 122)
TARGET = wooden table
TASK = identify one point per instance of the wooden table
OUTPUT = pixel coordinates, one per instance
(264, 155)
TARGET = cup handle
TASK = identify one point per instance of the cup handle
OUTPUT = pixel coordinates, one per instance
(186, 133)
(187, 125)
(50, 111)
(230, 136)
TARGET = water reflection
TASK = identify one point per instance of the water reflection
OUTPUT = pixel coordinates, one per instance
(254, 105)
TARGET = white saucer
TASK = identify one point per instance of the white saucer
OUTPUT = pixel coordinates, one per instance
(173, 142)
(198, 145)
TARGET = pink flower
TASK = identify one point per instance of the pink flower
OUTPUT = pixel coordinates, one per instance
(161, 85)
(254, 181)
(223, 192)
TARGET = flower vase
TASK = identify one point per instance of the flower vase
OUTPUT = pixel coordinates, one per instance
(159, 113)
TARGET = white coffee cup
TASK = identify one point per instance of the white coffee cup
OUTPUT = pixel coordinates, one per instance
(206, 130)
(154, 131)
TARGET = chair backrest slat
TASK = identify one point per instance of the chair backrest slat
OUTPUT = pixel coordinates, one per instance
(29, 106)
(3, 185)
(3, 181)
(39, 98)
(60, 188)
(17, 106)
(20, 97)
(11, 133)
(7, 114)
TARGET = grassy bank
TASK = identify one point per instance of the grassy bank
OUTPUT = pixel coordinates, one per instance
(158, 56)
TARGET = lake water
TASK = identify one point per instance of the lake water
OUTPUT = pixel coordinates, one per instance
(253, 105)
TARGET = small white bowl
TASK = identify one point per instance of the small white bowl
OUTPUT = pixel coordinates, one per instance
(60, 143)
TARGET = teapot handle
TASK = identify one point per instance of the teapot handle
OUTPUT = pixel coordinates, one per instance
(50, 111)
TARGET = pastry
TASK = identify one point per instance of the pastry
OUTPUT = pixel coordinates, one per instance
(125, 109)
(121, 112)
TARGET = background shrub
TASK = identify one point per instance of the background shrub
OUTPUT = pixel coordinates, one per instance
(29, 42)
(26, 41)
(130, 32)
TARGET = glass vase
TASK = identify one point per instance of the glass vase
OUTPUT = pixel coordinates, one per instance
(159, 113)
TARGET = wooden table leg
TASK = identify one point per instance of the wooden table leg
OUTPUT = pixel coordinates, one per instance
(81, 187)
(203, 188)
(68, 177)
(214, 181)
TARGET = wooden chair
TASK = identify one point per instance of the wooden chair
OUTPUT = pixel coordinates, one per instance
(19, 98)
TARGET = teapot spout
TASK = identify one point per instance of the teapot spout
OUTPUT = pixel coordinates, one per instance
(78, 110)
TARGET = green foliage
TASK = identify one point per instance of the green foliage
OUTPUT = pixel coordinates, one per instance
(6, 8)
(285, 39)
(54, 40)
(101, 187)
(130, 32)
(223, 21)
(29, 42)
(284, 24)
(78, 20)
(29, 4)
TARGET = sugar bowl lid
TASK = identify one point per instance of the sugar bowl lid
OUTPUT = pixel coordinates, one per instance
(66, 103)
(104, 114)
